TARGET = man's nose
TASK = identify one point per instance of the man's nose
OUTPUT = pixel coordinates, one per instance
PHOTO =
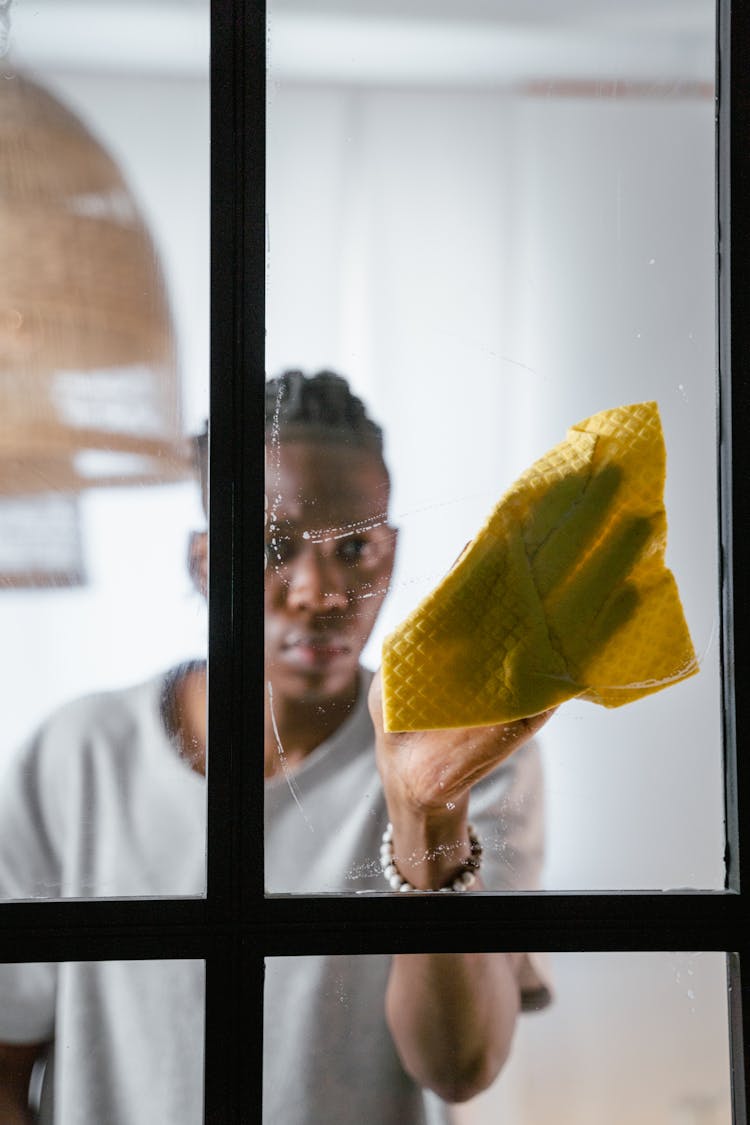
(316, 583)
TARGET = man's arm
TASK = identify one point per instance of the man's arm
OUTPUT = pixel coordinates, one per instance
(451, 1016)
(16, 1064)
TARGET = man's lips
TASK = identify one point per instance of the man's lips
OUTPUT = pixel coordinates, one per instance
(314, 650)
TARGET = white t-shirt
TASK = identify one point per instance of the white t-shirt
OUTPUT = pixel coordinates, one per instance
(99, 803)
(328, 1055)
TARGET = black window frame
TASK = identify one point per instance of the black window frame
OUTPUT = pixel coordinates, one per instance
(235, 927)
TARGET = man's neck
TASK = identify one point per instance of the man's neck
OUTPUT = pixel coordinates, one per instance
(293, 729)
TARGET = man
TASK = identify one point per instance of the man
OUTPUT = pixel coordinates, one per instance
(115, 806)
(368, 1033)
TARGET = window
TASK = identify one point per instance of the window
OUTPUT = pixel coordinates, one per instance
(236, 927)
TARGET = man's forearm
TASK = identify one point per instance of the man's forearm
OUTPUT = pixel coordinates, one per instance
(452, 1018)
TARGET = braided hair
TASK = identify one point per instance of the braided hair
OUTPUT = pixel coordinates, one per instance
(319, 407)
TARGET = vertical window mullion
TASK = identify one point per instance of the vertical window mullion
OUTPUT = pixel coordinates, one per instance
(734, 363)
(733, 174)
(234, 1001)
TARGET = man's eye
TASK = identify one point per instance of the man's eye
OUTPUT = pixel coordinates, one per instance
(353, 550)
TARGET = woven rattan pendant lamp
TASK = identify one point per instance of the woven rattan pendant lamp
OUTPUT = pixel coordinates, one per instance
(89, 391)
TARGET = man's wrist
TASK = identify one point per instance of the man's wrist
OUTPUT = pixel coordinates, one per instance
(431, 853)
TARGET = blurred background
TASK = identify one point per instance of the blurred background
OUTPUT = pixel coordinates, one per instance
(136, 77)
(496, 220)
(496, 217)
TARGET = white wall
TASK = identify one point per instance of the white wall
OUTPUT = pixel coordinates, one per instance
(489, 269)
(631, 1039)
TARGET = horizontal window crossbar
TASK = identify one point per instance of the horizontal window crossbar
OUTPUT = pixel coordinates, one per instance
(598, 921)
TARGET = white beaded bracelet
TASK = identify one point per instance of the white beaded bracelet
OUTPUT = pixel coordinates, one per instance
(462, 882)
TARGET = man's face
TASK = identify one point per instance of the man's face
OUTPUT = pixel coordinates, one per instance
(329, 557)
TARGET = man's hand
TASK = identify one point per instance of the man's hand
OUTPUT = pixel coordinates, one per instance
(432, 771)
(427, 777)
(451, 1016)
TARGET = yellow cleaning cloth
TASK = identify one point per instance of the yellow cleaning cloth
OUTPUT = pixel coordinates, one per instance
(563, 593)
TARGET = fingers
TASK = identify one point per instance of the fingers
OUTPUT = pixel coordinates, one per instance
(600, 585)
(535, 723)
(549, 510)
(578, 527)
(613, 616)
(443, 765)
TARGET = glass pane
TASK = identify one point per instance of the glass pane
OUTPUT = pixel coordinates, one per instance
(114, 1041)
(631, 1039)
(495, 221)
(104, 328)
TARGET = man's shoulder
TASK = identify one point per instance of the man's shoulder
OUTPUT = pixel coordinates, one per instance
(111, 709)
(112, 719)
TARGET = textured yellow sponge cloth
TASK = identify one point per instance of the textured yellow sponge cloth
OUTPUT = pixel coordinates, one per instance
(563, 593)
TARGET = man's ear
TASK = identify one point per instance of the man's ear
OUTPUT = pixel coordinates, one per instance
(198, 561)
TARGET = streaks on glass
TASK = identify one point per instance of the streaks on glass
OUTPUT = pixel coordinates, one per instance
(285, 767)
(327, 534)
(276, 450)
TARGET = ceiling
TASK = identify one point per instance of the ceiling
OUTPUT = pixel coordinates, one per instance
(454, 41)
(608, 13)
